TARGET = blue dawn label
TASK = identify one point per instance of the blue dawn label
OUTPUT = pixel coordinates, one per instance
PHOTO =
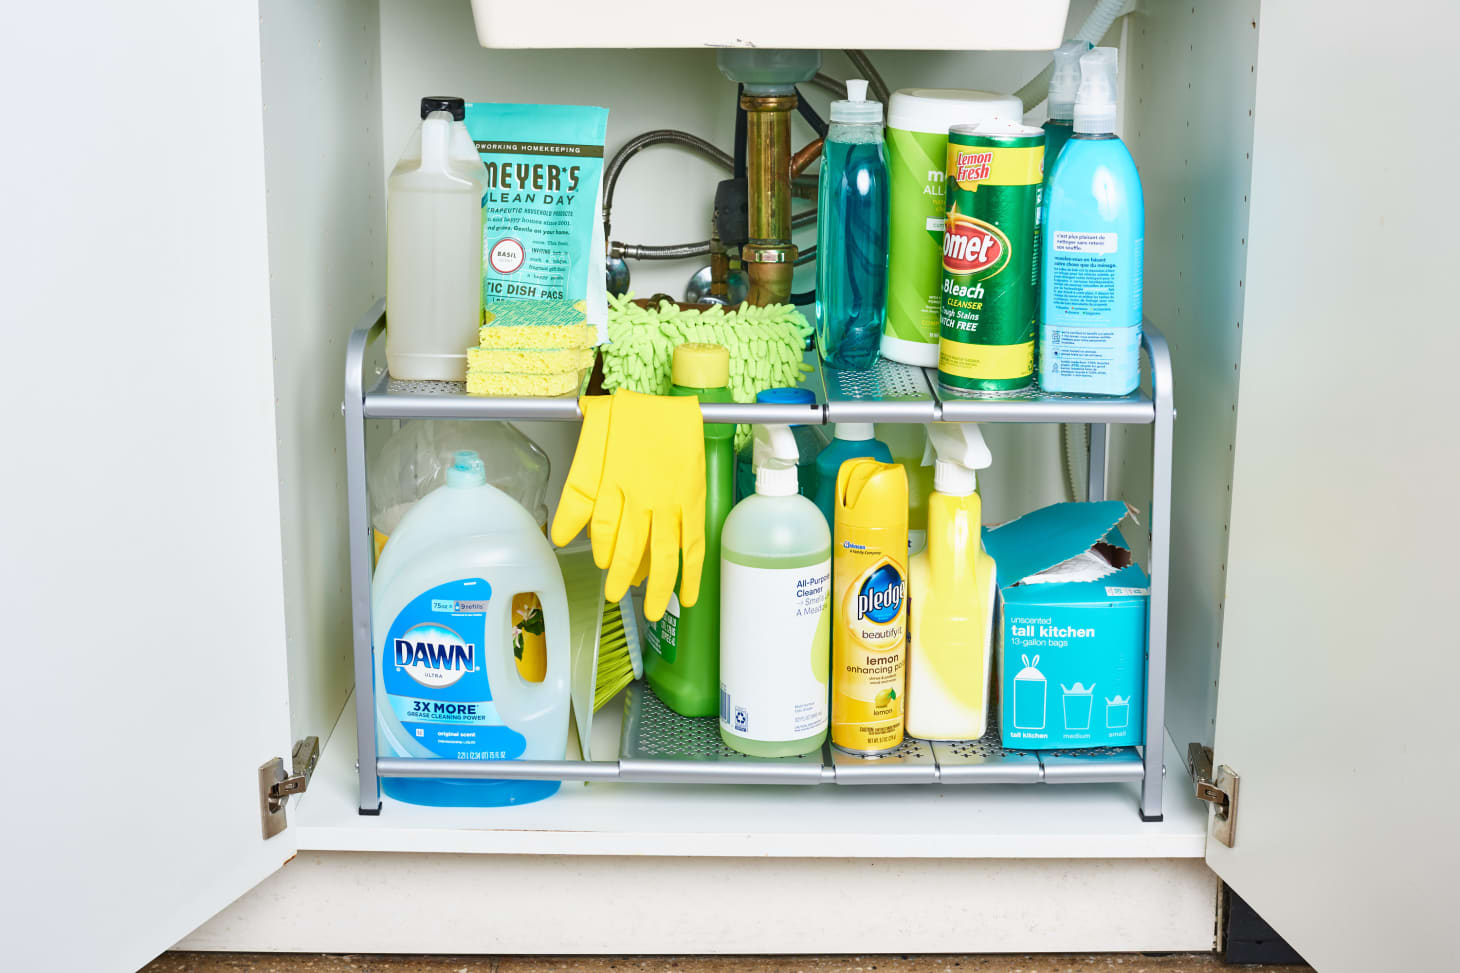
(434, 646)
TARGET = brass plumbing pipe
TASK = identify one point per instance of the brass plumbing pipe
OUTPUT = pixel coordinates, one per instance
(770, 257)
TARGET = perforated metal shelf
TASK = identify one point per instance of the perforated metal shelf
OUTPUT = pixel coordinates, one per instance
(886, 392)
(658, 744)
(985, 760)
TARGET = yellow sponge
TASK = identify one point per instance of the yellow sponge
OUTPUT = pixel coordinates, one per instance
(514, 385)
(537, 324)
(528, 361)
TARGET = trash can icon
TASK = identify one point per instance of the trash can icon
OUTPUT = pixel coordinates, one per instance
(1117, 713)
(1078, 702)
(1030, 688)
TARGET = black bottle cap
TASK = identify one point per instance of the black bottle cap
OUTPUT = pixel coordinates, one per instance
(456, 106)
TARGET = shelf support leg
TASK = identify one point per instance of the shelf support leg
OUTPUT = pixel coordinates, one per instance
(361, 552)
(1098, 434)
(1160, 520)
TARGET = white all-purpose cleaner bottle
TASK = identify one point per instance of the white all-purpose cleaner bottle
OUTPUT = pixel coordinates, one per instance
(446, 682)
(775, 626)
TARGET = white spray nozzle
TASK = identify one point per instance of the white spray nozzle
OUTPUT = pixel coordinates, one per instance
(1065, 81)
(775, 456)
(959, 450)
(1095, 101)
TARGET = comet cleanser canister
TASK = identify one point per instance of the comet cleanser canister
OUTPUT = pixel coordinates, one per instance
(918, 120)
(990, 292)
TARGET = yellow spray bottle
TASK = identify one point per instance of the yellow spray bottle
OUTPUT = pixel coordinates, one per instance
(951, 588)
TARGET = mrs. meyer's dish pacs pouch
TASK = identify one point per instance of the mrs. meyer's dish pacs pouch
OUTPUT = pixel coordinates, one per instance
(542, 228)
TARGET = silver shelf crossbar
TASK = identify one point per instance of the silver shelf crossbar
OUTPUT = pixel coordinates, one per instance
(658, 746)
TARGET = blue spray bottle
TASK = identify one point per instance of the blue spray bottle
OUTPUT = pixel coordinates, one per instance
(1093, 244)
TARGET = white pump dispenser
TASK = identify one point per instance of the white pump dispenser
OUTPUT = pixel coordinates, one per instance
(959, 450)
(775, 458)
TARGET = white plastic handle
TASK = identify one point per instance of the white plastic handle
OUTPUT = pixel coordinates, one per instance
(520, 703)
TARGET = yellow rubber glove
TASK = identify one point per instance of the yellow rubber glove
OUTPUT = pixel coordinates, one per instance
(638, 481)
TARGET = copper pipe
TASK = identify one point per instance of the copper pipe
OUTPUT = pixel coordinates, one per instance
(807, 155)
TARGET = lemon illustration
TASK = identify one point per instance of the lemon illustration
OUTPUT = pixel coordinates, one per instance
(884, 697)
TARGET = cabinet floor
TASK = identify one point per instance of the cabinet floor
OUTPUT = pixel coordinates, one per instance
(193, 962)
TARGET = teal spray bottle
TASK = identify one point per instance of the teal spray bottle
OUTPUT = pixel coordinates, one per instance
(850, 440)
(683, 661)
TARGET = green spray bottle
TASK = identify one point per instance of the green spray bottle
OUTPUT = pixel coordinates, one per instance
(683, 661)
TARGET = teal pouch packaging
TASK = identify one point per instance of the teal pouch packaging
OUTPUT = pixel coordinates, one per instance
(1071, 646)
(542, 226)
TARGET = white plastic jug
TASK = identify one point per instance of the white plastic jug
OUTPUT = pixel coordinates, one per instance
(433, 248)
(445, 680)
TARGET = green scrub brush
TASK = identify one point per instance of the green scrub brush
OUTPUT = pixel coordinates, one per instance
(619, 658)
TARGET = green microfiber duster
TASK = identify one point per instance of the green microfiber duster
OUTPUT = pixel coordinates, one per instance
(766, 345)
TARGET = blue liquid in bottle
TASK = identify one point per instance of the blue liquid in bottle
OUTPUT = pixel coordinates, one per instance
(851, 244)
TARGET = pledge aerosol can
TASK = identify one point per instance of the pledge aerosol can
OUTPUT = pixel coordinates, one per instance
(869, 583)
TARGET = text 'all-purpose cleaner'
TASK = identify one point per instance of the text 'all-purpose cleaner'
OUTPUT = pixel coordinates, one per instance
(869, 579)
(683, 661)
(445, 681)
(950, 633)
(775, 577)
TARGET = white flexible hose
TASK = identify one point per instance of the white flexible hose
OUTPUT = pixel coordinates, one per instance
(1094, 28)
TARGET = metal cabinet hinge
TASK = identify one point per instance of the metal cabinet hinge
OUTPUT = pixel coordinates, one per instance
(275, 785)
(1220, 792)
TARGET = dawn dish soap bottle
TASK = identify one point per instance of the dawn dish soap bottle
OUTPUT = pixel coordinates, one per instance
(775, 623)
(446, 684)
(1093, 244)
(950, 633)
(851, 238)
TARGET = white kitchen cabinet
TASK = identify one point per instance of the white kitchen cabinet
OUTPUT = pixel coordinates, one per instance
(198, 207)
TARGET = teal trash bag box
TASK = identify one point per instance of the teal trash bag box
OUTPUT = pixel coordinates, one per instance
(1072, 637)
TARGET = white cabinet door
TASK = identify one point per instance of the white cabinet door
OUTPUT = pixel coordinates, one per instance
(140, 566)
(1340, 651)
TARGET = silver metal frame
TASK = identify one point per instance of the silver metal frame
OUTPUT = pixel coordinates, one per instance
(890, 393)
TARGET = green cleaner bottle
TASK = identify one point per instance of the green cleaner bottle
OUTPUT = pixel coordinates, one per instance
(683, 664)
(775, 630)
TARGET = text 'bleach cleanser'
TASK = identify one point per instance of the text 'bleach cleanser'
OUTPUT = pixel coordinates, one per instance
(1093, 249)
(446, 682)
(775, 628)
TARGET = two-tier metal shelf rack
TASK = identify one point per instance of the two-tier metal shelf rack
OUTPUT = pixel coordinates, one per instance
(659, 746)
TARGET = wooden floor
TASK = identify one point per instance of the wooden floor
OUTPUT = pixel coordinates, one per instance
(1043, 963)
